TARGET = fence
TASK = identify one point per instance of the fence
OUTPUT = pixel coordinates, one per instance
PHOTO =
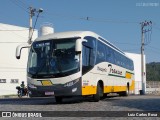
(153, 87)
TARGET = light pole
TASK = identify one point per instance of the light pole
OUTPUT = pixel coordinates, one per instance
(31, 14)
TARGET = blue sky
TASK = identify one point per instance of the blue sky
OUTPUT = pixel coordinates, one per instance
(116, 20)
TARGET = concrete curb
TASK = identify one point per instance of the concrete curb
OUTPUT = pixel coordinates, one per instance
(8, 96)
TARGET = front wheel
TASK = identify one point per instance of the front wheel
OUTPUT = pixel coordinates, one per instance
(19, 94)
(58, 99)
(98, 94)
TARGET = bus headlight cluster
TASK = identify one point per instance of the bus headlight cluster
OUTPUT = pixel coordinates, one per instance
(74, 90)
(32, 86)
(69, 84)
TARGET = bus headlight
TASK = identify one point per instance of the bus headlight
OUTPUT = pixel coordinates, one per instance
(69, 84)
(32, 86)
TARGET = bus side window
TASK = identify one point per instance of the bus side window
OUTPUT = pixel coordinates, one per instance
(88, 54)
(111, 57)
(101, 54)
(85, 56)
(108, 55)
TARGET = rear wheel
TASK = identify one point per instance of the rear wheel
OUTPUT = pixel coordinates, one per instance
(58, 99)
(19, 93)
(98, 94)
(125, 93)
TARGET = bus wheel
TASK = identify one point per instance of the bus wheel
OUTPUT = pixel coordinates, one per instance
(97, 96)
(125, 93)
(58, 99)
(30, 95)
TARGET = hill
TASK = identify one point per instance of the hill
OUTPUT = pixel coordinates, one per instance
(153, 71)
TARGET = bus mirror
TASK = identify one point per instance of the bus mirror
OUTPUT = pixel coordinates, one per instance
(78, 46)
(84, 40)
(19, 49)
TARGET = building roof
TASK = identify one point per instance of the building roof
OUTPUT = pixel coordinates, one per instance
(69, 34)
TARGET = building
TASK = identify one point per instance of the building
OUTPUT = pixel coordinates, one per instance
(12, 70)
(138, 71)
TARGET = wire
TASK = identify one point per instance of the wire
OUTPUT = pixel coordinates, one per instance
(157, 28)
(16, 30)
(19, 5)
(13, 42)
(125, 43)
(111, 21)
(87, 18)
(147, 30)
(154, 48)
(153, 51)
(23, 3)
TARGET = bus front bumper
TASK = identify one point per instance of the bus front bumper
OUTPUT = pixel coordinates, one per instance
(66, 90)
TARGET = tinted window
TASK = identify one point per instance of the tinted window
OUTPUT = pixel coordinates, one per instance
(110, 56)
(88, 54)
(101, 53)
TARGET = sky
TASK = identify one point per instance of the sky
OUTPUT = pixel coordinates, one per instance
(118, 21)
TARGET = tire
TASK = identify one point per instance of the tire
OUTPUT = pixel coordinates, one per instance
(19, 94)
(26, 92)
(99, 93)
(125, 93)
(58, 99)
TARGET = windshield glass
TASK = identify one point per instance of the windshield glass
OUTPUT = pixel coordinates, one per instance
(53, 58)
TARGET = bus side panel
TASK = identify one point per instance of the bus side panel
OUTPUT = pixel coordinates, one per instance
(132, 87)
(89, 86)
(91, 78)
(113, 81)
(89, 90)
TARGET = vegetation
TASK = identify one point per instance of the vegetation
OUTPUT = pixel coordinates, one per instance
(153, 71)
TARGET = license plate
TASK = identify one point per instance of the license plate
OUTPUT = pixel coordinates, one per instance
(49, 93)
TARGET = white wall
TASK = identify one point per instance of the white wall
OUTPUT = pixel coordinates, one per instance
(12, 69)
(137, 68)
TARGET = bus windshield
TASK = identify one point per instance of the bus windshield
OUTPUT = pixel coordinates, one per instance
(53, 58)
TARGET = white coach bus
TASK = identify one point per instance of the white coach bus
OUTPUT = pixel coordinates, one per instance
(77, 63)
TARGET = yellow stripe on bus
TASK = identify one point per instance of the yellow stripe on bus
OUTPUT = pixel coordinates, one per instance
(109, 89)
(89, 90)
(132, 87)
(128, 75)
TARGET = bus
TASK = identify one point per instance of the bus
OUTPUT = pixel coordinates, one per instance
(77, 63)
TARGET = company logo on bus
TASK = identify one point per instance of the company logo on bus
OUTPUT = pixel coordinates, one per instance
(114, 71)
(102, 69)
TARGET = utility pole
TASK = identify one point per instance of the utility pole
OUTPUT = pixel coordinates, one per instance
(143, 31)
(31, 14)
